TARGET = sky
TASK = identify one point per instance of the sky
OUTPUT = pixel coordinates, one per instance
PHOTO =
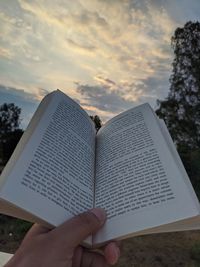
(108, 55)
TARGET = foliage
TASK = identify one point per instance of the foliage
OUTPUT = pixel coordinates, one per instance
(13, 225)
(97, 121)
(195, 251)
(8, 145)
(191, 159)
(9, 130)
(12, 232)
(181, 109)
(9, 118)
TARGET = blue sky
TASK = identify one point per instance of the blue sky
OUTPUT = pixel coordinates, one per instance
(108, 55)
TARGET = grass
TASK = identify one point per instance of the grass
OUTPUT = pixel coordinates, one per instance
(12, 231)
(195, 252)
(162, 250)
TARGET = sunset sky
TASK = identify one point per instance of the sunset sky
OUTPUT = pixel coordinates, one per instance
(108, 55)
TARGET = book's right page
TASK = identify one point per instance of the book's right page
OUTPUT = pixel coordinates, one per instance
(137, 179)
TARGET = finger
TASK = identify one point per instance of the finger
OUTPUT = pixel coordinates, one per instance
(37, 229)
(112, 253)
(74, 231)
(77, 257)
(93, 259)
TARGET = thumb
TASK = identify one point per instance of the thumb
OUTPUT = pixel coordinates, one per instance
(74, 231)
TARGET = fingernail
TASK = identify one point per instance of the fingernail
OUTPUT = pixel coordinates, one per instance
(118, 252)
(116, 255)
(100, 214)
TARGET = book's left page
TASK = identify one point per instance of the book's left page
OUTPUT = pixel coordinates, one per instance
(53, 176)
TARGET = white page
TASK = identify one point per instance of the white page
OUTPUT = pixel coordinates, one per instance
(137, 180)
(53, 177)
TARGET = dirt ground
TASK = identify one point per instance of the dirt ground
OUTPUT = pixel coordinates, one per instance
(166, 250)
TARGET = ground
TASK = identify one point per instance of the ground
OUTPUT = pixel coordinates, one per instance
(160, 250)
(166, 250)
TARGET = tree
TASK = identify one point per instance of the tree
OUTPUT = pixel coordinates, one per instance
(10, 141)
(9, 118)
(181, 109)
(9, 130)
(97, 121)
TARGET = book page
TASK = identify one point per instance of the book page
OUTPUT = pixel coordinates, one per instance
(137, 181)
(54, 176)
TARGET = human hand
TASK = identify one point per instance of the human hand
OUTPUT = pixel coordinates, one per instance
(61, 247)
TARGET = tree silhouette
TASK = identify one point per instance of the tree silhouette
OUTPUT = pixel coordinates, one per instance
(181, 109)
(9, 130)
(97, 121)
(9, 118)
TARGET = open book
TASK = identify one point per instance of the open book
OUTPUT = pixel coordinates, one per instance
(131, 168)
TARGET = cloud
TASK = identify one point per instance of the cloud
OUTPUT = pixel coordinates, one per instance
(98, 98)
(5, 53)
(120, 37)
(119, 51)
(111, 31)
(18, 93)
(41, 92)
(104, 81)
(107, 97)
(84, 47)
